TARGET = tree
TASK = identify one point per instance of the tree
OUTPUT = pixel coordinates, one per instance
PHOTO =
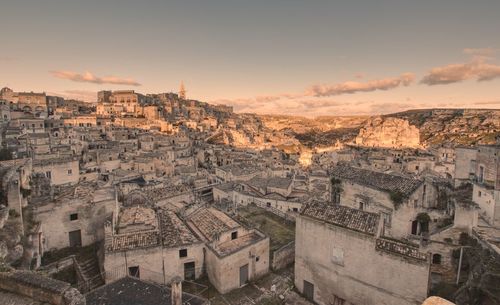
(5, 154)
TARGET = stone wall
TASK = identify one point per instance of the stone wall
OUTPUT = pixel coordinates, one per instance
(343, 264)
(284, 256)
(40, 288)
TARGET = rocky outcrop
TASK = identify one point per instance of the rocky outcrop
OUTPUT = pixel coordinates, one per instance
(388, 132)
(454, 126)
(436, 126)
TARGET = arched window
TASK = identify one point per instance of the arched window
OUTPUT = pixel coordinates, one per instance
(436, 259)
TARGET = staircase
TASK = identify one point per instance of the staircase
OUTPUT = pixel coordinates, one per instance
(90, 275)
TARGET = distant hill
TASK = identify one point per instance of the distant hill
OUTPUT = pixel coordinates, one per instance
(436, 126)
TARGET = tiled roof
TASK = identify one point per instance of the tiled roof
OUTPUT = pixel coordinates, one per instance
(400, 248)
(377, 180)
(343, 216)
(134, 240)
(211, 222)
(173, 231)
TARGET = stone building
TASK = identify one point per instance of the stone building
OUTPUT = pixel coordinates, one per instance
(342, 258)
(151, 244)
(60, 171)
(486, 191)
(234, 255)
(399, 200)
(74, 217)
(465, 164)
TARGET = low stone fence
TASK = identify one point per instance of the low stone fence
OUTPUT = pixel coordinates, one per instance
(40, 288)
(290, 217)
(284, 256)
(59, 265)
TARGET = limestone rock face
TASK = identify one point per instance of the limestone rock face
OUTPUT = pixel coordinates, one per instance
(388, 132)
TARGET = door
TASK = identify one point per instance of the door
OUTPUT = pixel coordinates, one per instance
(309, 291)
(75, 238)
(243, 275)
(189, 271)
(414, 227)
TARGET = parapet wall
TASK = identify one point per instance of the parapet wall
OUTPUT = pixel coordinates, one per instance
(40, 288)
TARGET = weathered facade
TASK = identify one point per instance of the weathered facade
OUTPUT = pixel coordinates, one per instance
(341, 258)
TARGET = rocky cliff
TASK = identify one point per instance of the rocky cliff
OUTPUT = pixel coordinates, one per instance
(454, 126)
(435, 127)
(388, 132)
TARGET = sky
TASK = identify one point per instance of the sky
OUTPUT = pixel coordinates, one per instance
(308, 58)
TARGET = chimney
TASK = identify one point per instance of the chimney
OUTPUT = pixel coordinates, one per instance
(176, 291)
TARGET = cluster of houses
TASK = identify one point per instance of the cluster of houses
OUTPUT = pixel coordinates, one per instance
(159, 203)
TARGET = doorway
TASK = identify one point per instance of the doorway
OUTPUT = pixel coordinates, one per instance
(75, 238)
(189, 271)
(309, 291)
(243, 275)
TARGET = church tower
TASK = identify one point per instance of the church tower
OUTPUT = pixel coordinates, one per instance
(182, 91)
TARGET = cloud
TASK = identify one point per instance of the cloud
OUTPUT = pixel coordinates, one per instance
(354, 87)
(478, 68)
(81, 95)
(314, 101)
(481, 53)
(488, 103)
(88, 77)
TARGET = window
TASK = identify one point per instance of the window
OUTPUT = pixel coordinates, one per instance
(361, 205)
(257, 258)
(73, 216)
(234, 235)
(336, 197)
(183, 253)
(338, 256)
(134, 271)
(48, 174)
(70, 172)
(436, 259)
(387, 219)
(481, 174)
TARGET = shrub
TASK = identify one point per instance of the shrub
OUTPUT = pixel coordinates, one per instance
(396, 198)
(13, 213)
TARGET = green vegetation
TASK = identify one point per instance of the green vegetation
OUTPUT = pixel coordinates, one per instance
(5, 154)
(423, 217)
(397, 198)
(13, 213)
(280, 231)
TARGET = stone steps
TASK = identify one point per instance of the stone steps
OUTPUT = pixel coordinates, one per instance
(91, 273)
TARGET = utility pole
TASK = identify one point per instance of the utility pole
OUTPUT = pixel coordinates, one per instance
(460, 261)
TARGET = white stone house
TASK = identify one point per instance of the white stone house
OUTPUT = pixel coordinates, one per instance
(60, 170)
(486, 190)
(341, 258)
(151, 244)
(397, 199)
(234, 255)
(75, 217)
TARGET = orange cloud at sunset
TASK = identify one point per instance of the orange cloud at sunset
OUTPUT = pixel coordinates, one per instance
(478, 68)
(353, 87)
(88, 77)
